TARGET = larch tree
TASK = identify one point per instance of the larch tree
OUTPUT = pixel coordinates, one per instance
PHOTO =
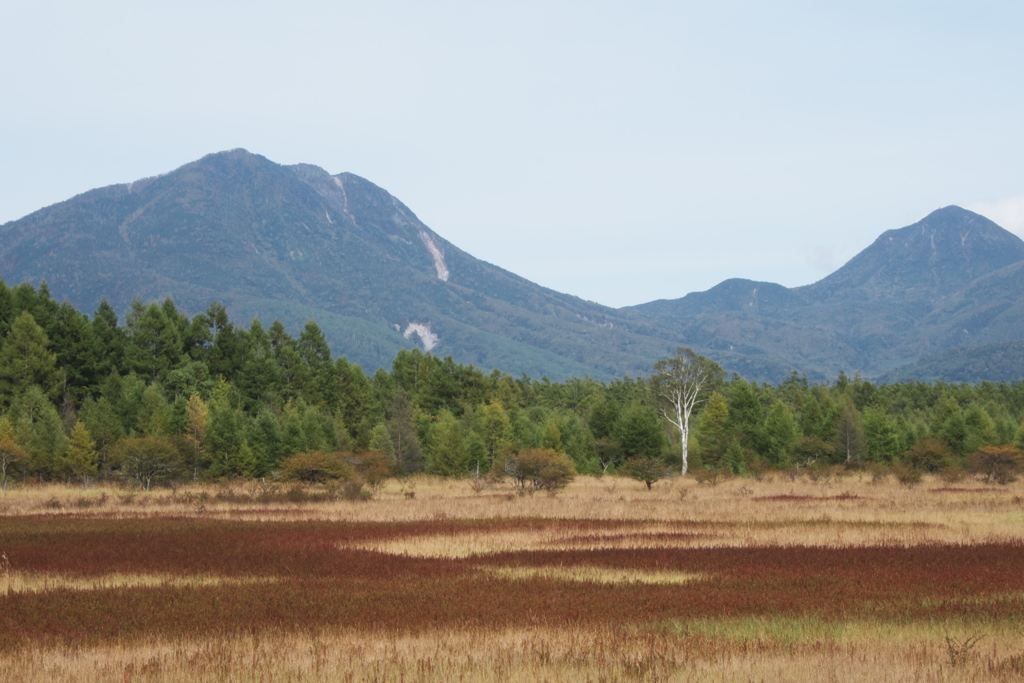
(447, 454)
(11, 454)
(26, 360)
(197, 419)
(849, 437)
(681, 383)
(401, 424)
(82, 460)
(713, 431)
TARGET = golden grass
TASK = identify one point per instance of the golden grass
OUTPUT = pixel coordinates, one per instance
(846, 511)
(853, 498)
(618, 513)
(39, 582)
(594, 575)
(738, 651)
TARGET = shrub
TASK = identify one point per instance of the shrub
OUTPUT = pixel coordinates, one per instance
(906, 475)
(810, 449)
(710, 477)
(647, 470)
(146, 460)
(373, 466)
(352, 489)
(929, 455)
(999, 464)
(315, 467)
(11, 456)
(540, 468)
(823, 472)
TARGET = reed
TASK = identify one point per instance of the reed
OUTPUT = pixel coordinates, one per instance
(775, 579)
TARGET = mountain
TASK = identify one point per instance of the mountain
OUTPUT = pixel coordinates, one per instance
(967, 364)
(952, 280)
(294, 243)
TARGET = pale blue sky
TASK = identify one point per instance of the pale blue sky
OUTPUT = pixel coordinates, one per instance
(621, 152)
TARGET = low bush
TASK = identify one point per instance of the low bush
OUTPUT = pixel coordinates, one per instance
(373, 467)
(540, 468)
(929, 455)
(647, 470)
(999, 464)
(315, 467)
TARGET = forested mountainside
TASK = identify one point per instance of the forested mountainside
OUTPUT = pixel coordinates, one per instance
(295, 242)
(165, 396)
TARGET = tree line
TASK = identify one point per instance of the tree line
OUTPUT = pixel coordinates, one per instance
(164, 396)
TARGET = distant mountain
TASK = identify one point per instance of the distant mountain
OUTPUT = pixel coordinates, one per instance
(295, 242)
(953, 279)
(968, 364)
(931, 259)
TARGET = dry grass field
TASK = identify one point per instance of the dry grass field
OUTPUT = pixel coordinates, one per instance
(842, 578)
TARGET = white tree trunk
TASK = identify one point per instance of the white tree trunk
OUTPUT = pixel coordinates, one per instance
(684, 437)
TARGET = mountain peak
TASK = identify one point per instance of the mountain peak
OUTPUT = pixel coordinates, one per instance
(936, 256)
(297, 242)
(952, 216)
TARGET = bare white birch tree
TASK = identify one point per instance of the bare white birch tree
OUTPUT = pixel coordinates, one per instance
(681, 383)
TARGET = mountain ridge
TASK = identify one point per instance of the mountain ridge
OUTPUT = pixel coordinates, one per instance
(886, 307)
(238, 228)
(297, 242)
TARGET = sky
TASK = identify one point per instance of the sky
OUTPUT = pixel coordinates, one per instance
(618, 151)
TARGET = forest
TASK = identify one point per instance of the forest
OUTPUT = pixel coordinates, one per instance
(163, 397)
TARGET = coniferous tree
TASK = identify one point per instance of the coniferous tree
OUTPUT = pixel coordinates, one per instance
(225, 435)
(12, 455)
(747, 415)
(154, 413)
(293, 438)
(259, 375)
(949, 426)
(356, 400)
(26, 361)
(197, 422)
(292, 372)
(713, 431)
(447, 452)
(578, 444)
(780, 434)
(76, 352)
(495, 430)
(7, 310)
(401, 426)
(82, 459)
(318, 428)
(552, 438)
(38, 429)
(264, 436)
(981, 429)
(881, 436)
(640, 433)
(849, 436)
(103, 425)
(321, 387)
(109, 340)
(154, 343)
(380, 440)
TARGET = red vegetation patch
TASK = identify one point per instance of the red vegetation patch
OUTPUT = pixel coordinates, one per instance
(953, 489)
(317, 585)
(789, 497)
